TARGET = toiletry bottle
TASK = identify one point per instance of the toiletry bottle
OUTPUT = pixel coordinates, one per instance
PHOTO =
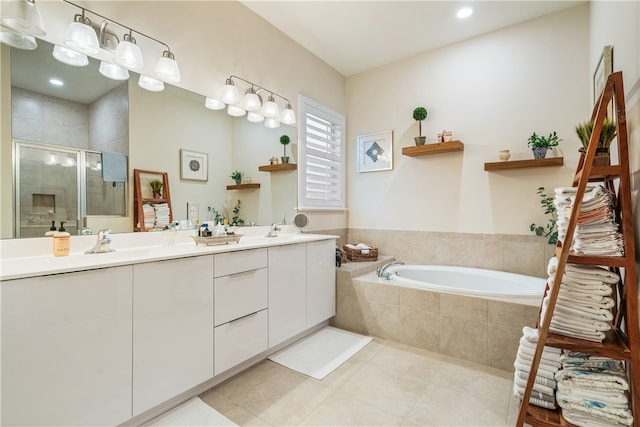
(198, 228)
(61, 244)
(52, 230)
(206, 232)
(61, 229)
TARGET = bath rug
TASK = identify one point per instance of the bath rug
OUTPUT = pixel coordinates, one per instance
(322, 352)
(193, 412)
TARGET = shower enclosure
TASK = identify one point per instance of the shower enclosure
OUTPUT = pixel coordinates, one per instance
(55, 184)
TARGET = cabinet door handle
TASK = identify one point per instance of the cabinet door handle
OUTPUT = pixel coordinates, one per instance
(244, 317)
(242, 273)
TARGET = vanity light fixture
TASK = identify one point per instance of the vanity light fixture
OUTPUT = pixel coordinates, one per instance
(113, 71)
(214, 104)
(70, 57)
(128, 54)
(167, 68)
(81, 37)
(15, 39)
(150, 84)
(24, 17)
(465, 12)
(251, 103)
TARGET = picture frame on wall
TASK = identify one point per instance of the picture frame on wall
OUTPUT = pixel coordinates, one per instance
(194, 165)
(602, 71)
(375, 152)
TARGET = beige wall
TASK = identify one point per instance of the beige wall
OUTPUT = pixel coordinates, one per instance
(492, 91)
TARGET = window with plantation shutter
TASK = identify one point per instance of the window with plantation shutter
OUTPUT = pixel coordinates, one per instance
(321, 169)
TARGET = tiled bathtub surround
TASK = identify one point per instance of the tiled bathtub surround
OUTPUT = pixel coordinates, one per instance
(503, 252)
(469, 328)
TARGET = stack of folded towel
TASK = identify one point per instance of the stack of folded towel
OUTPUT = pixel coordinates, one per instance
(364, 249)
(593, 391)
(163, 214)
(583, 307)
(543, 393)
(597, 232)
(149, 215)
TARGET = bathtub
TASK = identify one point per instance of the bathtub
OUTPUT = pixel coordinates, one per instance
(467, 281)
(466, 313)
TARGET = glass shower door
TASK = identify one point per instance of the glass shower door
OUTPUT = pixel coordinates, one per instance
(47, 189)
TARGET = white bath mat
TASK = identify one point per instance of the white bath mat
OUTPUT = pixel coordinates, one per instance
(322, 352)
(193, 412)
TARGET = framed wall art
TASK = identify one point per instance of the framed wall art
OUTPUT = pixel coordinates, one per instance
(193, 165)
(375, 152)
(603, 69)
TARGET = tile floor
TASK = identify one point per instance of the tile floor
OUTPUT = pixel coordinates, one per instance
(385, 384)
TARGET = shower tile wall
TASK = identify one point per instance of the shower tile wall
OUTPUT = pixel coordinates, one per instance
(504, 252)
(49, 120)
(109, 121)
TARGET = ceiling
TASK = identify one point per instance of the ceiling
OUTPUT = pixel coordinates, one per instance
(356, 36)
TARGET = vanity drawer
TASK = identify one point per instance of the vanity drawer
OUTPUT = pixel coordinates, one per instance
(239, 294)
(240, 340)
(237, 262)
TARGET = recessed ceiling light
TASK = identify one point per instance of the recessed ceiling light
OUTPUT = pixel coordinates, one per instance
(56, 82)
(465, 12)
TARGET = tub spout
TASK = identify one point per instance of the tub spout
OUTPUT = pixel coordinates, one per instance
(382, 271)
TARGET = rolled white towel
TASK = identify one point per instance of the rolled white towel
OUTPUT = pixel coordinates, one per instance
(362, 246)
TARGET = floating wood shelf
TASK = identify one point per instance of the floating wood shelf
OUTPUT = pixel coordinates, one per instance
(279, 167)
(440, 147)
(519, 164)
(243, 186)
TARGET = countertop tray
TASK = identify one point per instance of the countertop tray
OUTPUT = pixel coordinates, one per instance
(217, 240)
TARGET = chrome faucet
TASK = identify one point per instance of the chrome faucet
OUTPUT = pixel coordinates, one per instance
(102, 245)
(275, 227)
(382, 271)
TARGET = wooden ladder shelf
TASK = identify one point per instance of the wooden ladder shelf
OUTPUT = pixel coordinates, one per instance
(138, 200)
(623, 341)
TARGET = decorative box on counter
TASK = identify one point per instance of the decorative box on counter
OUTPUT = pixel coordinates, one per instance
(361, 253)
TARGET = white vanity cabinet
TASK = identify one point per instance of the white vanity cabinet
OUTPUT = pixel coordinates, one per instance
(172, 328)
(66, 348)
(321, 281)
(241, 300)
(287, 292)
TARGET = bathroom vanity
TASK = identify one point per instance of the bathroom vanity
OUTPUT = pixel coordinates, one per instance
(101, 339)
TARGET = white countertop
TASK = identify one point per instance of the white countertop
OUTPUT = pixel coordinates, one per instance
(20, 258)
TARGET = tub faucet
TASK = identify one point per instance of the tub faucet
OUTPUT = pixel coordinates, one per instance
(382, 271)
(275, 227)
(102, 245)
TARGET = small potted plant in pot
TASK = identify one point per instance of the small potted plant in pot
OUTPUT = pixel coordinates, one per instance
(419, 114)
(540, 144)
(237, 177)
(156, 188)
(607, 134)
(285, 140)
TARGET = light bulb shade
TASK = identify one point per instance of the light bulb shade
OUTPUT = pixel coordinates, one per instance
(81, 37)
(271, 123)
(214, 104)
(24, 17)
(150, 84)
(288, 117)
(18, 40)
(167, 68)
(70, 57)
(128, 54)
(235, 111)
(254, 117)
(270, 109)
(252, 101)
(112, 71)
(230, 93)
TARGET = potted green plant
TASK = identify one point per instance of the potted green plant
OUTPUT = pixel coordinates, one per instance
(540, 144)
(419, 114)
(156, 187)
(285, 140)
(237, 177)
(607, 134)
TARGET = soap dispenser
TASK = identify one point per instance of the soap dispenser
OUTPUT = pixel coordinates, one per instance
(52, 230)
(62, 229)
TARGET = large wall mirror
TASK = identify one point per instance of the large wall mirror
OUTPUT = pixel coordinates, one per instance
(56, 126)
